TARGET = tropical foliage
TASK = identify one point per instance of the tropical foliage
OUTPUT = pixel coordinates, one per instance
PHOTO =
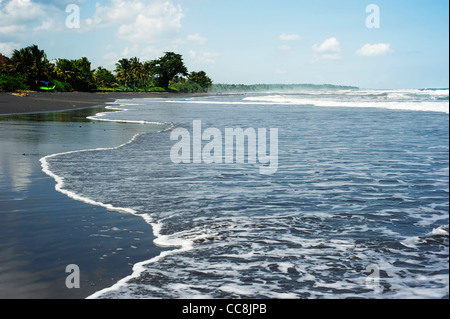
(196, 82)
(29, 68)
(167, 68)
(4, 60)
(30, 64)
(77, 73)
(104, 77)
(15, 82)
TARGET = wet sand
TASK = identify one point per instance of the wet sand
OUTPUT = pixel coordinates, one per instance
(43, 231)
(37, 102)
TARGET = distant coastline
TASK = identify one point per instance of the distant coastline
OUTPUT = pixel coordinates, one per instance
(222, 88)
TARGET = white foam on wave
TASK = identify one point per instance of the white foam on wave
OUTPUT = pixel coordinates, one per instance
(100, 116)
(407, 99)
(161, 240)
(140, 267)
(60, 180)
(440, 231)
(409, 105)
(168, 241)
(334, 249)
(442, 107)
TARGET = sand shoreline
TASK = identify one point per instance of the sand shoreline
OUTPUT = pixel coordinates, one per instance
(42, 230)
(40, 102)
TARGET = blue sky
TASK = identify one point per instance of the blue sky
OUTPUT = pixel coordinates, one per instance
(248, 41)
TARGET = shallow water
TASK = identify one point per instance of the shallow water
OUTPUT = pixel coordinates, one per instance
(358, 206)
(41, 230)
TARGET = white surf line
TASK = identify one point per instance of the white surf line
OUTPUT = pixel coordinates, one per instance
(97, 117)
(160, 240)
(401, 106)
(60, 180)
(139, 268)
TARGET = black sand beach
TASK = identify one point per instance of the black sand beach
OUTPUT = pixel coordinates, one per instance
(41, 230)
(37, 102)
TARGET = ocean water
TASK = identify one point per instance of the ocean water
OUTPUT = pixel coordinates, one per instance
(357, 208)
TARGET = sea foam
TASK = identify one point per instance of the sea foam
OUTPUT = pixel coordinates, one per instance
(410, 100)
(308, 232)
(160, 240)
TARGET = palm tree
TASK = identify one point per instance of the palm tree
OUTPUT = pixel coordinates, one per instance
(33, 62)
(201, 79)
(123, 71)
(65, 70)
(77, 73)
(147, 71)
(103, 77)
(136, 70)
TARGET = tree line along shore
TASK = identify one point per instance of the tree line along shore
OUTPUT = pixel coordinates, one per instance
(29, 69)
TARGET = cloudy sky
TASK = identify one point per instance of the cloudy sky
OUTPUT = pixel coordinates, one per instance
(394, 44)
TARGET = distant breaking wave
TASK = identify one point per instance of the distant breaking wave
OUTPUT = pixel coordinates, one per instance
(412, 100)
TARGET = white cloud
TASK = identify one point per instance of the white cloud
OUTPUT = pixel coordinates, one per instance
(6, 48)
(280, 71)
(203, 57)
(329, 45)
(378, 49)
(197, 39)
(289, 37)
(20, 18)
(21, 11)
(116, 12)
(13, 28)
(327, 51)
(46, 25)
(139, 20)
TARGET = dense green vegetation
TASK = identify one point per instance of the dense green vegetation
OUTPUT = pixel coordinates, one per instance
(30, 69)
